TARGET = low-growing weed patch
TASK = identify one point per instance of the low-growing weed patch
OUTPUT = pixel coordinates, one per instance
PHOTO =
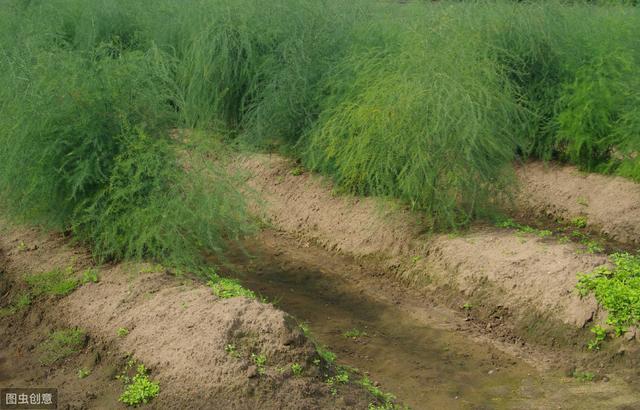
(61, 344)
(139, 389)
(354, 334)
(524, 229)
(19, 304)
(57, 282)
(260, 360)
(583, 376)
(83, 373)
(228, 288)
(617, 289)
(296, 369)
(386, 399)
(90, 276)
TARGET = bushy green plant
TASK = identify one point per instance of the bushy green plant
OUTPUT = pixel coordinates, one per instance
(592, 106)
(427, 102)
(85, 144)
(139, 389)
(617, 289)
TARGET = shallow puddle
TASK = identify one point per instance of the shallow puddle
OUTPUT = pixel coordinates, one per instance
(426, 367)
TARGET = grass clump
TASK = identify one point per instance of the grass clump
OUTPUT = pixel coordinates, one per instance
(354, 334)
(57, 282)
(139, 389)
(228, 288)
(617, 289)
(19, 304)
(583, 376)
(61, 344)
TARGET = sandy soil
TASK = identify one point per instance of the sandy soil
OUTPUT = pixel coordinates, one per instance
(529, 273)
(610, 204)
(177, 328)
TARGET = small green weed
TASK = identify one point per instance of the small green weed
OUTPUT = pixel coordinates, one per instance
(22, 302)
(524, 229)
(228, 288)
(617, 289)
(90, 276)
(60, 345)
(305, 329)
(383, 406)
(296, 369)
(341, 377)
(122, 332)
(583, 376)
(593, 246)
(232, 350)
(297, 171)
(386, 398)
(55, 283)
(83, 373)
(579, 222)
(139, 389)
(600, 335)
(260, 361)
(354, 333)
(467, 306)
(326, 354)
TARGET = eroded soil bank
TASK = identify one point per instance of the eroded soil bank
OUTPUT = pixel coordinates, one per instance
(175, 327)
(528, 273)
(611, 205)
(430, 356)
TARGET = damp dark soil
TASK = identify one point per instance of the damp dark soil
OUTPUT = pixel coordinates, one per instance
(429, 356)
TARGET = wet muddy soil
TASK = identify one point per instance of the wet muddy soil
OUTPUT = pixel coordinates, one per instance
(430, 357)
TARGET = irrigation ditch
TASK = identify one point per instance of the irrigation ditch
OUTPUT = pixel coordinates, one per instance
(486, 318)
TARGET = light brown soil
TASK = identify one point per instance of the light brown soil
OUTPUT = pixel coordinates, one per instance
(305, 204)
(532, 272)
(611, 204)
(529, 273)
(177, 328)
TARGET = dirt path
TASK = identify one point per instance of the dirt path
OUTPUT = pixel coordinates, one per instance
(175, 327)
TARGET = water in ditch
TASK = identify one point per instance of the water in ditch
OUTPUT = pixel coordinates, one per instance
(425, 366)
